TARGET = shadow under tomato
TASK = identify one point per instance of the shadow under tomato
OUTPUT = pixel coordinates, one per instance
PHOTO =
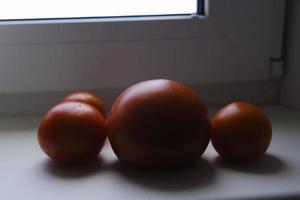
(73, 171)
(199, 174)
(268, 164)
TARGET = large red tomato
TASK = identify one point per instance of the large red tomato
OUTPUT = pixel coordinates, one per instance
(86, 97)
(158, 123)
(241, 132)
(72, 132)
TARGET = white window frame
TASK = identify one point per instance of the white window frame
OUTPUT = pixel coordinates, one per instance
(24, 32)
(224, 45)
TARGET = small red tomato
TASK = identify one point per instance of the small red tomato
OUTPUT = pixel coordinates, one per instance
(86, 97)
(158, 124)
(72, 132)
(241, 132)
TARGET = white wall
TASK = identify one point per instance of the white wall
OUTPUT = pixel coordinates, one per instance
(290, 84)
(212, 94)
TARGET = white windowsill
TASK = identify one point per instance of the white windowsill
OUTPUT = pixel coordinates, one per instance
(26, 172)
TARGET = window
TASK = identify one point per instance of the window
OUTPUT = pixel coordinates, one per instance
(96, 53)
(37, 9)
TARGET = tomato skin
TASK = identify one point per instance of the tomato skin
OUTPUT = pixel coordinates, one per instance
(86, 97)
(158, 124)
(72, 132)
(241, 132)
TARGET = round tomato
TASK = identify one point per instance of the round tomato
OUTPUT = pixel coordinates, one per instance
(86, 97)
(241, 132)
(72, 132)
(158, 123)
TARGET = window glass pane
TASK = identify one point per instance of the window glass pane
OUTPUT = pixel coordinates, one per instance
(41, 9)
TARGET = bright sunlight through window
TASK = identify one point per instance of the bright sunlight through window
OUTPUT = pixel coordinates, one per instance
(46, 9)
